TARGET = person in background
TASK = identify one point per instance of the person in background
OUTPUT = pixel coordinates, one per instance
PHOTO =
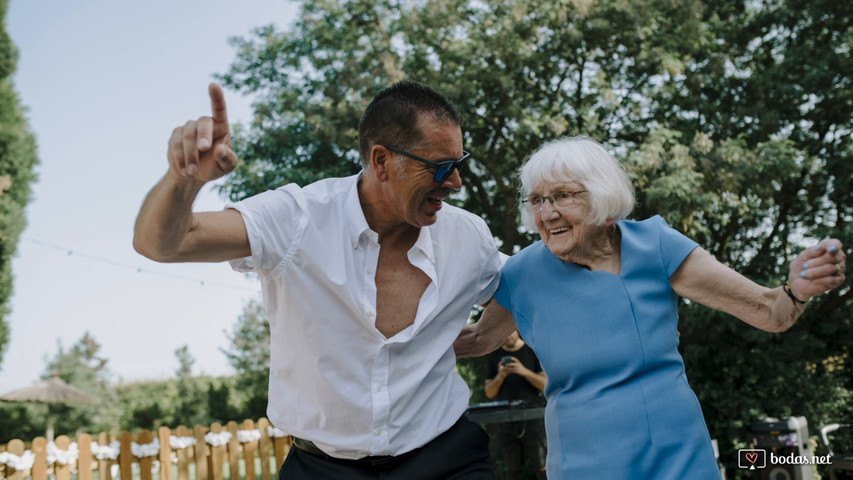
(516, 376)
(597, 300)
(367, 280)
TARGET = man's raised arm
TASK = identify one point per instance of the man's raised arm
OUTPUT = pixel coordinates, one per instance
(166, 228)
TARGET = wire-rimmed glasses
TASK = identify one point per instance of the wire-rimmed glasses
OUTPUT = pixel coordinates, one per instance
(558, 199)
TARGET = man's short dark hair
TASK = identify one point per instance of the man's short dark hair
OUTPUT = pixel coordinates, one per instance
(392, 116)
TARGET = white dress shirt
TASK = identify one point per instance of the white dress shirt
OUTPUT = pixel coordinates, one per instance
(334, 378)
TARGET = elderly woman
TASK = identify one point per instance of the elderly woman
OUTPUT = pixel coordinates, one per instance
(597, 300)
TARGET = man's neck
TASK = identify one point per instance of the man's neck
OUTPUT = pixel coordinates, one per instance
(392, 232)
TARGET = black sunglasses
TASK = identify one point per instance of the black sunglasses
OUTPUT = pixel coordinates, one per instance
(442, 169)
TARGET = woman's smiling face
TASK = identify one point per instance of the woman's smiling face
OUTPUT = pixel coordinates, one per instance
(564, 229)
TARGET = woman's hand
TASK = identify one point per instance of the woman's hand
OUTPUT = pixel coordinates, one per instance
(818, 270)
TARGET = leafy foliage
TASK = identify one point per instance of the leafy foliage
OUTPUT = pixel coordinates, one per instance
(189, 408)
(183, 400)
(218, 402)
(154, 403)
(82, 367)
(20, 420)
(17, 163)
(249, 355)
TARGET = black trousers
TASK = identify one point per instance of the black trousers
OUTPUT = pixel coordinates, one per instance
(460, 453)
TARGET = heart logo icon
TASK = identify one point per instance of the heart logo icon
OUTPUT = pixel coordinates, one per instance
(752, 457)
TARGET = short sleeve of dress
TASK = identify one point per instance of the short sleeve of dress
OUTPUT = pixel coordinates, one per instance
(674, 246)
(502, 295)
(491, 262)
(514, 293)
(274, 223)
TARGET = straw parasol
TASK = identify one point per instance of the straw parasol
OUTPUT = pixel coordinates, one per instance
(51, 391)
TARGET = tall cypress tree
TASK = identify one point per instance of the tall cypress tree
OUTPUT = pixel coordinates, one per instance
(18, 159)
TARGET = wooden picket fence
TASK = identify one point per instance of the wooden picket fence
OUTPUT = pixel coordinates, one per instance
(202, 454)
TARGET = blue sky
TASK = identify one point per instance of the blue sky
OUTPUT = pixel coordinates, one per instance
(105, 82)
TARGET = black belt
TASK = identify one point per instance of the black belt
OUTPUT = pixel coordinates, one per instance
(378, 461)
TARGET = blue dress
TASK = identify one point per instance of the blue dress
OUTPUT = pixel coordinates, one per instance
(619, 405)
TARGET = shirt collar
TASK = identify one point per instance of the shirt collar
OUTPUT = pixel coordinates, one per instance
(424, 244)
(357, 223)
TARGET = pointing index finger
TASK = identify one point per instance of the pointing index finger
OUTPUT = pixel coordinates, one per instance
(217, 106)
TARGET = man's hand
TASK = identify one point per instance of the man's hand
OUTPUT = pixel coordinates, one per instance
(201, 149)
(167, 230)
(512, 367)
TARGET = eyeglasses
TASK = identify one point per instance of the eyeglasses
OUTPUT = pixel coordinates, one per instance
(442, 169)
(558, 199)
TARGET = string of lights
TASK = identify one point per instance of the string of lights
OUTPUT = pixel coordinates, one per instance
(139, 270)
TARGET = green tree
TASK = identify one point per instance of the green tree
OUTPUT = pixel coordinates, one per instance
(81, 367)
(520, 71)
(733, 118)
(219, 402)
(18, 420)
(769, 166)
(149, 417)
(18, 159)
(249, 355)
(189, 406)
(146, 404)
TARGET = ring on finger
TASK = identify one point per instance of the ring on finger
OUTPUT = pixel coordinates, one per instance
(837, 269)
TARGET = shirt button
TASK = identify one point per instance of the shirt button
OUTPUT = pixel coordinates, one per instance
(379, 388)
(368, 314)
(370, 271)
(378, 431)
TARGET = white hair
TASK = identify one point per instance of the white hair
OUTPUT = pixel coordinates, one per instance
(585, 161)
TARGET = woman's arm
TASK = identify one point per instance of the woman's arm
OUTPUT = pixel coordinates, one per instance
(703, 279)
